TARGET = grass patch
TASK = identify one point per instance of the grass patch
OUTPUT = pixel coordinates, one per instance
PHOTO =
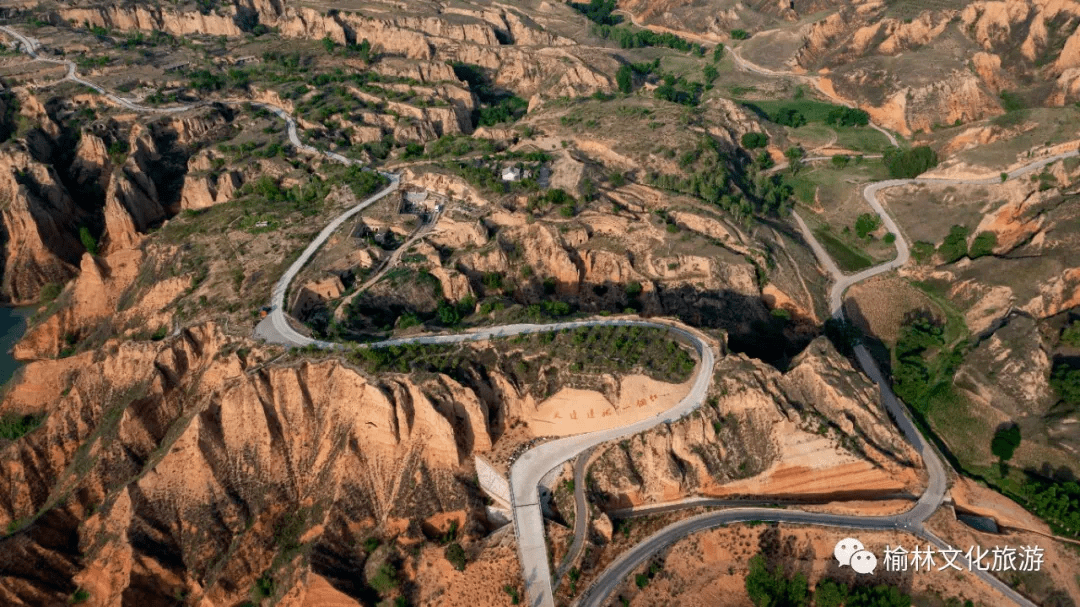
(847, 258)
(803, 187)
(813, 111)
(865, 140)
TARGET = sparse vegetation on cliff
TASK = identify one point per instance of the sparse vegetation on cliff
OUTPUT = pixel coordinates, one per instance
(14, 426)
(626, 350)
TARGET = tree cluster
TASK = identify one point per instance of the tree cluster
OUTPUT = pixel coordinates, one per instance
(906, 164)
(847, 116)
(866, 223)
(753, 141)
(678, 89)
(954, 246)
(912, 377)
(598, 11)
(637, 38)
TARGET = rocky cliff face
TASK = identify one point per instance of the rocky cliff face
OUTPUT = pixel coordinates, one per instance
(527, 59)
(185, 467)
(1034, 40)
(764, 434)
(1035, 269)
(54, 193)
(40, 223)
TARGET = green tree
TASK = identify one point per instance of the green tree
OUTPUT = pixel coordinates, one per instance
(753, 141)
(1010, 101)
(794, 156)
(911, 375)
(847, 116)
(633, 289)
(718, 53)
(14, 425)
(328, 44)
(588, 189)
(385, 578)
(773, 588)
(710, 74)
(88, 241)
(955, 245)
(493, 280)
(456, 555)
(877, 596)
(625, 78)
(830, 594)
(905, 164)
(1071, 334)
(1005, 442)
(739, 34)
(1066, 382)
(448, 314)
(840, 160)
(983, 245)
(866, 223)
(361, 50)
(413, 150)
(789, 116)
(49, 292)
(598, 11)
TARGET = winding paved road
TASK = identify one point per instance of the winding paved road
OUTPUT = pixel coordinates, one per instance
(910, 521)
(528, 470)
(581, 517)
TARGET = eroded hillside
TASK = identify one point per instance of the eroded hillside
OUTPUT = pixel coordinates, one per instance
(551, 162)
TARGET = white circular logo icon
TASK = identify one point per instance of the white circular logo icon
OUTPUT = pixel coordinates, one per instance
(863, 561)
(845, 548)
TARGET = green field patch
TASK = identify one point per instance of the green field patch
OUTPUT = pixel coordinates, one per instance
(805, 189)
(813, 111)
(862, 139)
(813, 135)
(847, 258)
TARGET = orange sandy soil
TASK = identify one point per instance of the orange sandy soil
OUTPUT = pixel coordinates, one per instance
(708, 569)
(321, 594)
(559, 539)
(1061, 561)
(598, 557)
(863, 507)
(969, 496)
(878, 305)
(858, 479)
(491, 567)
(572, 411)
(506, 446)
